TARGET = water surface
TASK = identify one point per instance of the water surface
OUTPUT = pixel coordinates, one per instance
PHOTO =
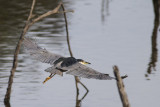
(104, 32)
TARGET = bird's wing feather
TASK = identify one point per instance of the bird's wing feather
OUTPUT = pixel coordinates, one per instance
(39, 53)
(83, 71)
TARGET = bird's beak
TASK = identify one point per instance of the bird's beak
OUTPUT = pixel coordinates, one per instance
(84, 62)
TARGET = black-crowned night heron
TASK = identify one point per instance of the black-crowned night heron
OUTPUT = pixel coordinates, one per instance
(61, 64)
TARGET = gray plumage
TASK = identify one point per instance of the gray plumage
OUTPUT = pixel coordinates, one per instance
(61, 64)
(53, 70)
(39, 53)
(83, 71)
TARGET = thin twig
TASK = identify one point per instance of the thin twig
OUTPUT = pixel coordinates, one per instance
(121, 88)
(71, 54)
(65, 11)
(69, 47)
(31, 11)
(54, 11)
(83, 85)
(79, 101)
(47, 14)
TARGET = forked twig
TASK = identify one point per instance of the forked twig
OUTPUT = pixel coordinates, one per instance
(79, 101)
(31, 11)
(70, 51)
(66, 24)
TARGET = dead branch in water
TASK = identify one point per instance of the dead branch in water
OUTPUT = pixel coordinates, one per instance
(15, 60)
(71, 54)
(30, 21)
(120, 86)
(154, 40)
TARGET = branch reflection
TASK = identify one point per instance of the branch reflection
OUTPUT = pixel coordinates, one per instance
(104, 9)
(154, 54)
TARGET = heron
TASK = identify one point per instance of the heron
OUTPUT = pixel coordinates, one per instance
(60, 64)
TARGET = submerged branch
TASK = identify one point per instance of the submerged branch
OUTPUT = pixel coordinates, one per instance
(15, 60)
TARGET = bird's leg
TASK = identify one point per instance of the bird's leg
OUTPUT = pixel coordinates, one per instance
(48, 78)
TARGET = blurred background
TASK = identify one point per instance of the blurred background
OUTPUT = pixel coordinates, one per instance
(103, 32)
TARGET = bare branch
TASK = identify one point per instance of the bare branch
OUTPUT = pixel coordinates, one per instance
(47, 14)
(15, 60)
(121, 88)
(28, 24)
(69, 47)
(31, 11)
(65, 11)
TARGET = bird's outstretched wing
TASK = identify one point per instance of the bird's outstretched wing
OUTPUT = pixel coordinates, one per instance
(39, 53)
(83, 71)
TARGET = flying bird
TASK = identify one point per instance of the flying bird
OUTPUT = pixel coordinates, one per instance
(60, 64)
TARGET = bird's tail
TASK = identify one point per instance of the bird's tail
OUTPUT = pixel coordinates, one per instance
(53, 70)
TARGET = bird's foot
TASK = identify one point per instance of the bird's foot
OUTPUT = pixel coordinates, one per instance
(46, 79)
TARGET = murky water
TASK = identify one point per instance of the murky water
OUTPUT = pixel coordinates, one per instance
(103, 32)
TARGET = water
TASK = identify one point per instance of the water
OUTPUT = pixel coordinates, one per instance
(103, 32)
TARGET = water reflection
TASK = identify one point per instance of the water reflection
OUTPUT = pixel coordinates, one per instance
(11, 20)
(154, 53)
(28, 78)
(105, 9)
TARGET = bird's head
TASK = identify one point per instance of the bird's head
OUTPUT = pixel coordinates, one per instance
(83, 62)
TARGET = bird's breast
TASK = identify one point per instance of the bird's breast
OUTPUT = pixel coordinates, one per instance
(68, 62)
